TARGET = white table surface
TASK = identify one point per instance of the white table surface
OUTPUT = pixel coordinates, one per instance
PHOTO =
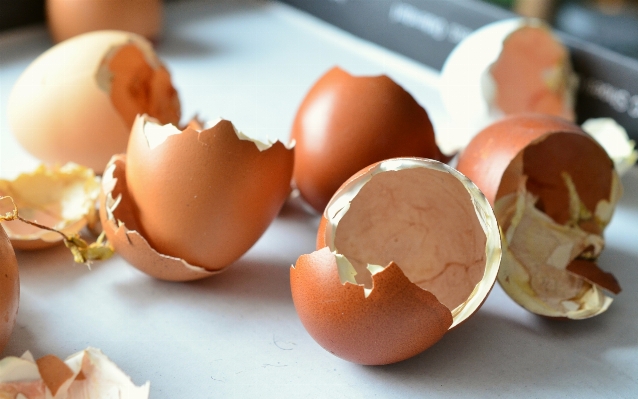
(237, 335)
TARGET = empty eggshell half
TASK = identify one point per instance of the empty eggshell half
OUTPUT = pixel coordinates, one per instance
(346, 123)
(554, 189)
(60, 197)
(183, 205)
(507, 67)
(77, 101)
(9, 289)
(83, 375)
(408, 248)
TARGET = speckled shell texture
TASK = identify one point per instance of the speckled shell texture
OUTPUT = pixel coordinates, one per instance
(346, 123)
(208, 196)
(9, 289)
(366, 330)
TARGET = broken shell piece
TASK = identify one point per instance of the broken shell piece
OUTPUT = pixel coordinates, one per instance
(346, 123)
(9, 289)
(614, 140)
(62, 198)
(408, 248)
(554, 190)
(212, 195)
(86, 374)
(507, 67)
(85, 93)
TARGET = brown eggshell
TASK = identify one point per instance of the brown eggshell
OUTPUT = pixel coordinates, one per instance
(207, 196)
(9, 289)
(117, 214)
(346, 123)
(370, 331)
(68, 18)
(77, 101)
(525, 164)
(488, 156)
(439, 238)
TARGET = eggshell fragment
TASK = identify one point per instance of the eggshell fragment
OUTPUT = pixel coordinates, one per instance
(614, 139)
(211, 196)
(59, 197)
(554, 190)
(9, 289)
(408, 248)
(346, 123)
(68, 18)
(86, 374)
(507, 67)
(77, 101)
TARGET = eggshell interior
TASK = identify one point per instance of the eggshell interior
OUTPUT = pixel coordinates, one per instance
(346, 123)
(425, 222)
(9, 289)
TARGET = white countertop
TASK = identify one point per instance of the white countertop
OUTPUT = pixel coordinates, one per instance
(237, 335)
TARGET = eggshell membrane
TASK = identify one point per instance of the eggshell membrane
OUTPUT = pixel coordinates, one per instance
(346, 123)
(206, 196)
(543, 148)
(9, 289)
(68, 18)
(347, 317)
(62, 198)
(117, 214)
(510, 66)
(76, 101)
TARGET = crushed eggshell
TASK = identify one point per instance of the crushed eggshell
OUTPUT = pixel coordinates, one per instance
(88, 374)
(614, 139)
(554, 190)
(60, 197)
(549, 268)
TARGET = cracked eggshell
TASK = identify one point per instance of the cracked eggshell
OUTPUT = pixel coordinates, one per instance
(60, 197)
(86, 374)
(554, 189)
(9, 289)
(77, 101)
(507, 67)
(346, 123)
(408, 248)
(68, 18)
(199, 198)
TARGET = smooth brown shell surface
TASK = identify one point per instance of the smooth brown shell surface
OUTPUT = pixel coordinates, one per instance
(68, 18)
(346, 123)
(206, 197)
(365, 330)
(117, 214)
(9, 289)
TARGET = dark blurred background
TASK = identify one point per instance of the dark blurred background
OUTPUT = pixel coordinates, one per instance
(610, 23)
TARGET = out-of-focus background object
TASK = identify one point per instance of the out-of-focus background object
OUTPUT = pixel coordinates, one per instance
(609, 23)
(68, 18)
